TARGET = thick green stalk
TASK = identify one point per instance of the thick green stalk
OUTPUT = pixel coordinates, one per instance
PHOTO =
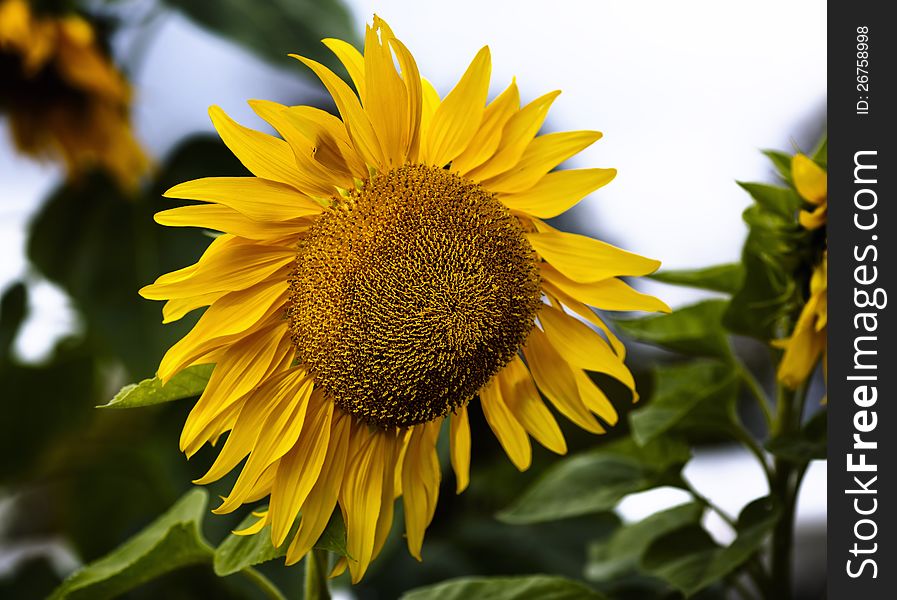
(316, 576)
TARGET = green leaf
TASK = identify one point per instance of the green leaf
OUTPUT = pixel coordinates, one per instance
(820, 155)
(689, 397)
(694, 330)
(807, 444)
(596, 481)
(719, 278)
(173, 541)
(238, 552)
(782, 201)
(529, 587)
(782, 163)
(622, 552)
(275, 28)
(690, 560)
(188, 383)
(13, 309)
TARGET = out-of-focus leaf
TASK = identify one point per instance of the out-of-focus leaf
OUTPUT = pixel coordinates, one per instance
(13, 306)
(689, 397)
(621, 553)
(595, 481)
(533, 587)
(274, 28)
(781, 201)
(807, 444)
(694, 330)
(820, 155)
(238, 552)
(102, 245)
(173, 541)
(188, 383)
(782, 162)
(690, 560)
(719, 278)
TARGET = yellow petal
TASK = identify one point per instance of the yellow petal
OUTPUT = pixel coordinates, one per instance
(313, 177)
(556, 381)
(541, 156)
(276, 436)
(175, 309)
(233, 316)
(258, 199)
(458, 116)
(516, 136)
(388, 496)
(238, 267)
(411, 79)
(584, 259)
(321, 501)
(255, 527)
(487, 138)
(523, 400)
(351, 59)
(222, 218)
(810, 179)
(589, 315)
(510, 433)
(242, 366)
(265, 156)
(815, 219)
(557, 192)
(332, 146)
(298, 470)
(420, 483)
(359, 127)
(277, 391)
(385, 98)
(594, 399)
(607, 294)
(460, 448)
(429, 103)
(582, 347)
(361, 496)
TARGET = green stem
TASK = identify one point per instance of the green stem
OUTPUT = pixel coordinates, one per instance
(263, 583)
(745, 437)
(702, 499)
(783, 488)
(757, 392)
(316, 575)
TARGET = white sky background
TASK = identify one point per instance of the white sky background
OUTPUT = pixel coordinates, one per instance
(686, 93)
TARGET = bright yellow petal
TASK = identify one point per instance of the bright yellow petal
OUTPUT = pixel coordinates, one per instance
(815, 219)
(516, 136)
(523, 400)
(351, 59)
(222, 218)
(429, 103)
(388, 495)
(264, 155)
(810, 179)
(582, 347)
(557, 192)
(332, 146)
(608, 294)
(175, 309)
(361, 496)
(594, 399)
(584, 259)
(258, 199)
(589, 315)
(485, 141)
(298, 470)
(458, 116)
(385, 98)
(541, 156)
(420, 483)
(556, 381)
(510, 433)
(322, 499)
(359, 127)
(460, 448)
(411, 79)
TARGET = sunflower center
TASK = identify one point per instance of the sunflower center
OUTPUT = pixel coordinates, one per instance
(410, 294)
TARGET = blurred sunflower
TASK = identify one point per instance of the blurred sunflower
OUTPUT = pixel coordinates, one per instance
(63, 96)
(808, 340)
(378, 273)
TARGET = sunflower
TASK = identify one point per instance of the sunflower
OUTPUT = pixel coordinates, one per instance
(379, 273)
(808, 340)
(63, 96)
